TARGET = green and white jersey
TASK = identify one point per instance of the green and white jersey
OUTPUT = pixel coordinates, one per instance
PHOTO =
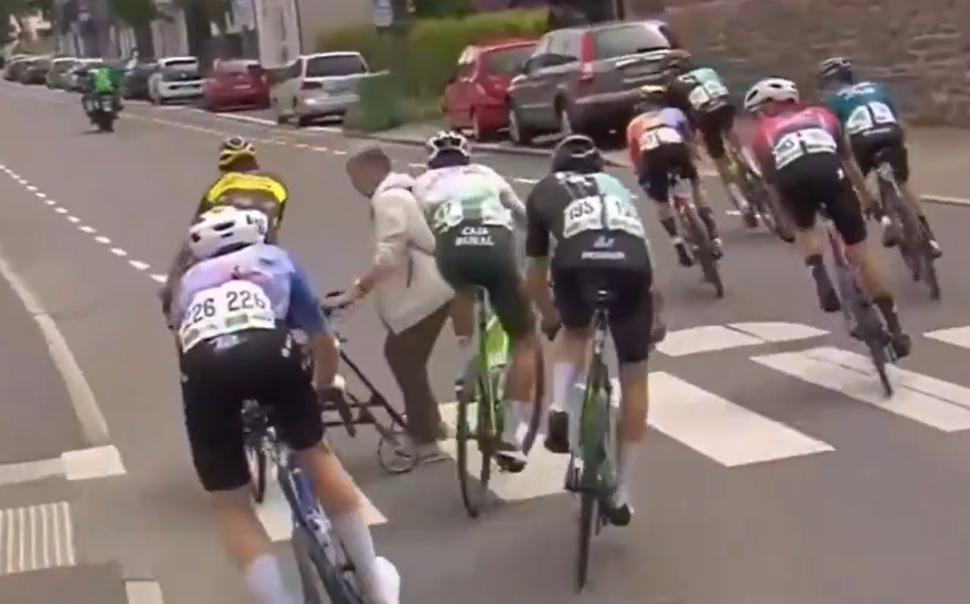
(461, 194)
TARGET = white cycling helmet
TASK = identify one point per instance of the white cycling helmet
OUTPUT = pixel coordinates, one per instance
(226, 227)
(448, 140)
(770, 89)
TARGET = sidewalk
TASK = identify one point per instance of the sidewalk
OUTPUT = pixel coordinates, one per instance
(939, 157)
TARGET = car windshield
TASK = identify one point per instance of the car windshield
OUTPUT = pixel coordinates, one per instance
(335, 65)
(61, 66)
(180, 74)
(182, 64)
(237, 67)
(507, 61)
(632, 39)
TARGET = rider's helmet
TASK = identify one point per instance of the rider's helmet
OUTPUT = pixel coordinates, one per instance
(679, 62)
(448, 148)
(233, 149)
(778, 90)
(577, 153)
(835, 70)
(226, 229)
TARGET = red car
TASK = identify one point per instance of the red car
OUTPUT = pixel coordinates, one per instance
(477, 96)
(237, 83)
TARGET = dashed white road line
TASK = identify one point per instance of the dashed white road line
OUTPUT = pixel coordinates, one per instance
(102, 240)
(51, 202)
(139, 265)
(40, 195)
(321, 149)
(60, 210)
(32, 188)
(157, 278)
(117, 251)
(526, 181)
(337, 152)
(87, 229)
(74, 219)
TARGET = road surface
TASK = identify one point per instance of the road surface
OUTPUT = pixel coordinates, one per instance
(775, 471)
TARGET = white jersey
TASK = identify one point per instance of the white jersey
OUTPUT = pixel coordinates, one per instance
(452, 195)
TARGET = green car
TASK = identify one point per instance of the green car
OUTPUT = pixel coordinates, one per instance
(57, 74)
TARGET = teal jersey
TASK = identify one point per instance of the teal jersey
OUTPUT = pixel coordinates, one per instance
(863, 108)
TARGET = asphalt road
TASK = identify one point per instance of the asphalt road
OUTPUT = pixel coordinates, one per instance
(774, 473)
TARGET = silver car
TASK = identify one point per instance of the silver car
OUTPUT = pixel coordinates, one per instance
(317, 86)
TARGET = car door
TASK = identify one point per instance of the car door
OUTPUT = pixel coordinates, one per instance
(560, 74)
(524, 89)
(458, 94)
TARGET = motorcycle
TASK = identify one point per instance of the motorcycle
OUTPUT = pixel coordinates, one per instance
(102, 111)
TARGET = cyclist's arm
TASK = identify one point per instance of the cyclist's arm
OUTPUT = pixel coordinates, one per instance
(510, 199)
(304, 313)
(537, 247)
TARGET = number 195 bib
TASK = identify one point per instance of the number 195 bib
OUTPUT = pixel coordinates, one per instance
(231, 307)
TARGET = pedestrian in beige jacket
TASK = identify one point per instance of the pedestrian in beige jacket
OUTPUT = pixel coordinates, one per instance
(411, 297)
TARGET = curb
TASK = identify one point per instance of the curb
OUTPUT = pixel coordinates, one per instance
(490, 147)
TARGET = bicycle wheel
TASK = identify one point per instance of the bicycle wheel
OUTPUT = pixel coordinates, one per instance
(704, 251)
(877, 341)
(475, 392)
(538, 397)
(256, 461)
(591, 439)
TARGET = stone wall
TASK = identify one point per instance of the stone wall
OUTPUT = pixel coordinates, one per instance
(920, 47)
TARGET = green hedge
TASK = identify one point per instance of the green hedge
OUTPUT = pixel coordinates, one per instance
(422, 59)
(379, 107)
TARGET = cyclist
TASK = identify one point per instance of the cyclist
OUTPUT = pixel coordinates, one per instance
(234, 310)
(661, 143)
(600, 242)
(473, 213)
(872, 125)
(702, 95)
(809, 168)
(243, 185)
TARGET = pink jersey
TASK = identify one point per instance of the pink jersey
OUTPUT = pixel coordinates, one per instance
(795, 133)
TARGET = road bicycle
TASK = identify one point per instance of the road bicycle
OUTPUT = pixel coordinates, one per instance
(326, 574)
(914, 243)
(591, 472)
(695, 232)
(755, 190)
(480, 418)
(864, 321)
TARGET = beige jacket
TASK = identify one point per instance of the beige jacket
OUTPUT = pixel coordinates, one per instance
(408, 287)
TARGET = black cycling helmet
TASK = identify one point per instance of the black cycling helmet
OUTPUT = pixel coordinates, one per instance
(234, 149)
(448, 148)
(577, 153)
(835, 69)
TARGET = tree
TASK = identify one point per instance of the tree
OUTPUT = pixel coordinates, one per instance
(136, 13)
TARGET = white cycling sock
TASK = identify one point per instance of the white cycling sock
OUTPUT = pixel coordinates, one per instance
(564, 376)
(466, 351)
(353, 533)
(516, 422)
(265, 582)
(629, 451)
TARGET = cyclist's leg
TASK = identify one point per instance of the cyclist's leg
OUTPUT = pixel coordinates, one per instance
(800, 190)
(683, 163)
(506, 290)
(713, 127)
(631, 325)
(296, 413)
(569, 354)
(900, 163)
(654, 178)
(451, 266)
(214, 424)
(846, 214)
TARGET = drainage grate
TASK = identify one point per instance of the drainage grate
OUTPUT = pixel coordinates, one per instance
(36, 537)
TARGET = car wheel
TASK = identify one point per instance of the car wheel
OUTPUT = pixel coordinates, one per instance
(479, 133)
(280, 118)
(303, 121)
(517, 131)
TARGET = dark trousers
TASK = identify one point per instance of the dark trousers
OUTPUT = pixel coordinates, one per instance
(407, 355)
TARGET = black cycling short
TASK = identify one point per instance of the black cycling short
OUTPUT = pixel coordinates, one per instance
(218, 375)
(815, 182)
(631, 309)
(656, 166)
(714, 126)
(470, 255)
(892, 142)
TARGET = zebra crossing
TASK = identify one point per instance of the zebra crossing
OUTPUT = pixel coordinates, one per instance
(722, 427)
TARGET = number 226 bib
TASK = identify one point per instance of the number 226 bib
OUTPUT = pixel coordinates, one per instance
(231, 307)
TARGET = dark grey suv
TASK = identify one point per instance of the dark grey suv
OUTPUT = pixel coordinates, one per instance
(570, 83)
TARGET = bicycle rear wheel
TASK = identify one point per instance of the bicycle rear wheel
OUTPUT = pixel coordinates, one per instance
(256, 460)
(591, 439)
(877, 340)
(474, 400)
(704, 251)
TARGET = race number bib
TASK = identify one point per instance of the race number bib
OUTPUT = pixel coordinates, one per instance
(484, 207)
(866, 117)
(599, 212)
(231, 307)
(653, 138)
(803, 142)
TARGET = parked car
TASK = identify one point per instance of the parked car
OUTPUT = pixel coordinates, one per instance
(570, 83)
(57, 74)
(177, 78)
(477, 97)
(238, 83)
(318, 85)
(78, 75)
(134, 85)
(16, 68)
(36, 72)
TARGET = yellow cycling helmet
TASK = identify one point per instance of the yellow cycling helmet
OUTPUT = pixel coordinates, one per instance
(235, 148)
